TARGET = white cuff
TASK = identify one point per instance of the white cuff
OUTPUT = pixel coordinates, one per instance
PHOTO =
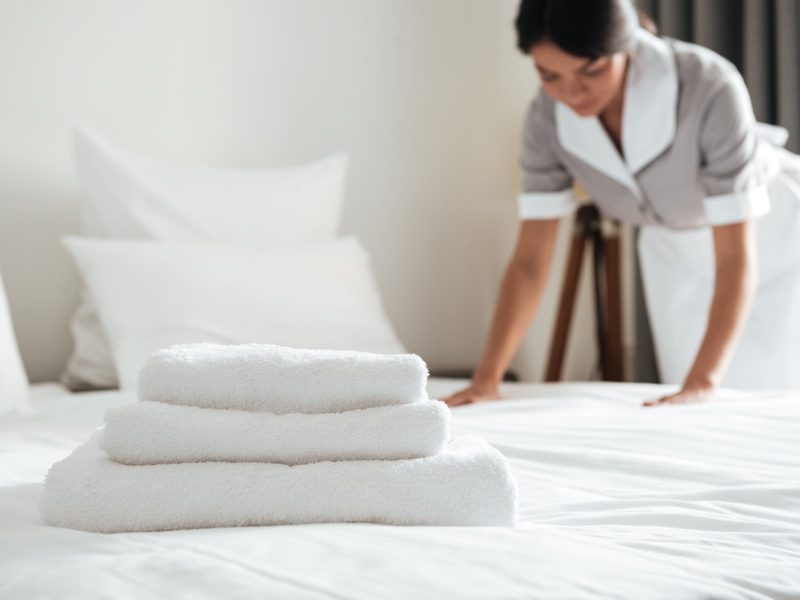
(737, 207)
(546, 205)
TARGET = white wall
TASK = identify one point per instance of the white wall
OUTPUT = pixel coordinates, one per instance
(427, 97)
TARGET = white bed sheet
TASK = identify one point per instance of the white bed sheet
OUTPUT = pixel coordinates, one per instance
(616, 501)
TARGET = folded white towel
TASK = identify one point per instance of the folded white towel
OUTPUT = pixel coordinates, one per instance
(145, 433)
(469, 484)
(277, 379)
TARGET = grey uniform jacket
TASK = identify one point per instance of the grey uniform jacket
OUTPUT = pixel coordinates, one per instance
(692, 153)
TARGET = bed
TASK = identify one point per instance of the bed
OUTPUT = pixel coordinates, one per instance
(616, 501)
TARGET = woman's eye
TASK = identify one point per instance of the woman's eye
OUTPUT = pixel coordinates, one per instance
(549, 77)
(594, 71)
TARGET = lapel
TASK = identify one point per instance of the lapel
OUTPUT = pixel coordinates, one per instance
(649, 116)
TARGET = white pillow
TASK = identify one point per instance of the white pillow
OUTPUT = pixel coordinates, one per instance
(13, 380)
(154, 294)
(124, 195)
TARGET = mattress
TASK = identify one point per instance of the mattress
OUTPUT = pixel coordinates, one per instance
(616, 501)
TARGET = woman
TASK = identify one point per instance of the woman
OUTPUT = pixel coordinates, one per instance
(661, 134)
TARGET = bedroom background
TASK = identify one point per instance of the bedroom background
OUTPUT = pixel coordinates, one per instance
(426, 97)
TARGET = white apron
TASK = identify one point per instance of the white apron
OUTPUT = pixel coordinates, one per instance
(678, 276)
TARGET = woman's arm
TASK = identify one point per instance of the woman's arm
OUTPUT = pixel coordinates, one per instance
(734, 288)
(520, 293)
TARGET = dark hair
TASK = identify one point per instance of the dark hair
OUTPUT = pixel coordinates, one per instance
(586, 28)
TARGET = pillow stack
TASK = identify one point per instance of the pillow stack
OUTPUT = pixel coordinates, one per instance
(253, 434)
(176, 254)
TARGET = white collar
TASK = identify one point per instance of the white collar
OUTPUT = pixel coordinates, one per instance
(649, 116)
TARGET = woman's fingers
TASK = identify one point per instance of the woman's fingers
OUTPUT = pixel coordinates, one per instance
(471, 395)
(682, 397)
(459, 399)
(673, 399)
(664, 400)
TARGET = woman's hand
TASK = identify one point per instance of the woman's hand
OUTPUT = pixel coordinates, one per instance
(734, 287)
(689, 394)
(523, 283)
(476, 392)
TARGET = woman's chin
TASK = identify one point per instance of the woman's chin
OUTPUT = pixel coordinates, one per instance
(587, 110)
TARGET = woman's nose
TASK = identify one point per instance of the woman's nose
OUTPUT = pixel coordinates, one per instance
(572, 89)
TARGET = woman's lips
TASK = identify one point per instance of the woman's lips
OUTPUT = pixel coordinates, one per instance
(584, 107)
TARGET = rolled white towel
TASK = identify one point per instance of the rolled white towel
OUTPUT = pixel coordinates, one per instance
(145, 433)
(468, 484)
(278, 379)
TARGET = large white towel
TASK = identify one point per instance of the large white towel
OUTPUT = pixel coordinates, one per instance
(264, 377)
(145, 433)
(468, 484)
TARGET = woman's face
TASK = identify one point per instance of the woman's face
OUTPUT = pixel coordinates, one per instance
(587, 86)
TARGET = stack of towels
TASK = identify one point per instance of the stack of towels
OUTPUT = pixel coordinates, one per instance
(255, 434)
